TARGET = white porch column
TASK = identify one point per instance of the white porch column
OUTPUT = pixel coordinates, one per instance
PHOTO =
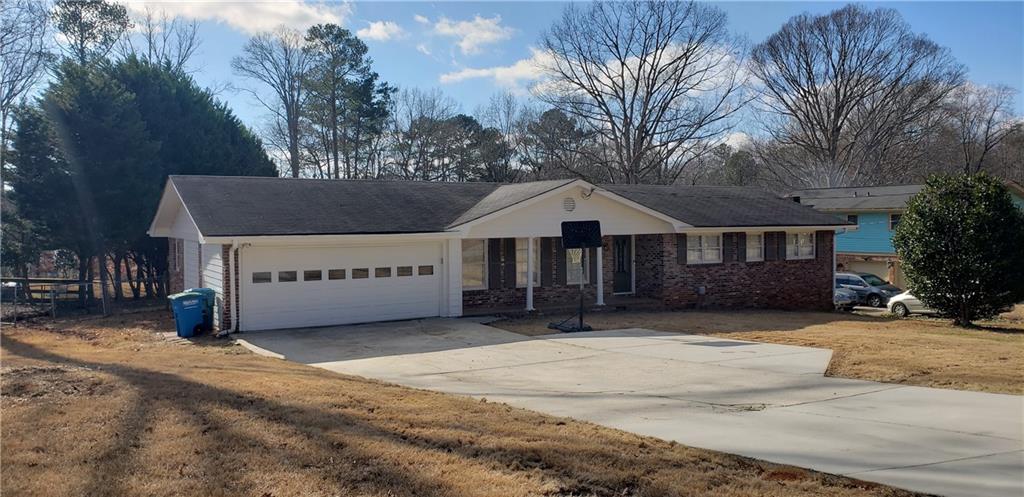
(529, 274)
(600, 277)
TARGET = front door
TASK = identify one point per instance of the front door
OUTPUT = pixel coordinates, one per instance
(622, 252)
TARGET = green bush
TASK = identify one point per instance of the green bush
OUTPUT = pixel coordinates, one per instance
(961, 241)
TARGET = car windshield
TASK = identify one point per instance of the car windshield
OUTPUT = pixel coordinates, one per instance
(874, 280)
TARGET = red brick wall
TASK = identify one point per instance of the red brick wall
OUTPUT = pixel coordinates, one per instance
(780, 284)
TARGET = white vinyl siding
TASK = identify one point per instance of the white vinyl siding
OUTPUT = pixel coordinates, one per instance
(474, 264)
(800, 245)
(522, 258)
(703, 249)
(755, 247)
(190, 256)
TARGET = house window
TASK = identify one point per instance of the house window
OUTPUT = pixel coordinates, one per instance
(336, 274)
(577, 272)
(312, 275)
(261, 277)
(522, 259)
(474, 264)
(894, 220)
(800, 246)
(425, 270)
(360, 273)
(755, 247)
(703, 249)
(405, 270)
(287, 276)
(382, 272)
(853, 219)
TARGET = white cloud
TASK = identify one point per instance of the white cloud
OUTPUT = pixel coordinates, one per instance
(739, 140)
(421, 19)
(423, 49)
(474, 34)
(381, 31)
(250, 17)
(524, 71)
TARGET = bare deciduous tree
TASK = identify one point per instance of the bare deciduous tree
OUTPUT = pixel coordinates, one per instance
(842, 91)
(656, 81)
(91, 28)
(163, 39)
(278, 61)
(983, 118)
(23, 57)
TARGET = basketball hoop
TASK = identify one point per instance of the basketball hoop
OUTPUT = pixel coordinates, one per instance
(576, 255)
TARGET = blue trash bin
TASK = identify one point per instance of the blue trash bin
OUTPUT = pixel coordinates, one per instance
(188, 313)
(210, 297)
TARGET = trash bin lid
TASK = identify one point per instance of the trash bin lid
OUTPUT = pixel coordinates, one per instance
(184, 295)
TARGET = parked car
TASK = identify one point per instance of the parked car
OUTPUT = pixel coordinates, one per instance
(905, 304)
(872, 290)
(844, 299)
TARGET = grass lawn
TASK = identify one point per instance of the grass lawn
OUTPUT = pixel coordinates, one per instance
(917, 351)
(105, 407)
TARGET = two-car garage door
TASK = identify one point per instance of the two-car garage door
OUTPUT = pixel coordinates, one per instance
(289, 287)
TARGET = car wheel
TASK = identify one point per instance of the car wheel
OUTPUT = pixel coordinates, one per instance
(874, 300)
(900, 310)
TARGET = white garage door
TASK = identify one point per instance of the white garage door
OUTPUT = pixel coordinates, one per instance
(319, 286)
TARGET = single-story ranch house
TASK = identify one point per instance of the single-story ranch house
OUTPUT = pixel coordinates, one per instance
(287, 253)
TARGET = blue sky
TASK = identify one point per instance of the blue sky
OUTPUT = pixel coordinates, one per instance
(470, 50)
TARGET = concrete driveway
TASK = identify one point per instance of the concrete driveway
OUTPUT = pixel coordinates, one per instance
(760, 400)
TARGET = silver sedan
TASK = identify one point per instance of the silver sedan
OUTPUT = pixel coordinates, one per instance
(905, 304)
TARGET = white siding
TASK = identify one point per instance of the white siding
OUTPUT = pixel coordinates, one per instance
(544, 218)
(213, 276)
(191, 269)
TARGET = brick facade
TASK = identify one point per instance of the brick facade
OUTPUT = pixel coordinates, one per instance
(661, 273)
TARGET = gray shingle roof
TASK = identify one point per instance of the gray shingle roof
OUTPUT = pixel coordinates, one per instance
(725, 206)
(254, 206)
(858, 197)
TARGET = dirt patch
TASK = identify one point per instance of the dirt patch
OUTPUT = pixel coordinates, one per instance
(50, 383)
(206, 420)
(918, 351)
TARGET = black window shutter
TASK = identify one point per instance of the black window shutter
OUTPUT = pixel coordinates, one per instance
(559, 262)
(593, 265)
(771, 250)
(681, 249)
(509, 279)
(728, 247)
(780, 239)
(741, 247)
(819, 245)
(547, 273)
(493, 263)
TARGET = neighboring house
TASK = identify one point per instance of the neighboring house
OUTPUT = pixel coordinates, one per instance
(875, 210)
(286, 253)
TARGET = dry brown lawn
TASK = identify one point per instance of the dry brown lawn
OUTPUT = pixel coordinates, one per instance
(918, 351)
(105, 407)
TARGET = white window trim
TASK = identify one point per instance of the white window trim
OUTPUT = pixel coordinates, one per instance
(700, 238)
(746, 252)
(796, 256)
(484, 284)
(584, 272)
(536, 262)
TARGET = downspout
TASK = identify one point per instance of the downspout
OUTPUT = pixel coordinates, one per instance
(232, 276)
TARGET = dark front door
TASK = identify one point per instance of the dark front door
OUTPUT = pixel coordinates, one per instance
(622, 258)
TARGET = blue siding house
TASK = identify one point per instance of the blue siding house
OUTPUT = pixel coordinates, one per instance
(876, 211)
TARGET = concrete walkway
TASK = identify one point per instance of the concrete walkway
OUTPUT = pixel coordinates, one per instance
(766, 401)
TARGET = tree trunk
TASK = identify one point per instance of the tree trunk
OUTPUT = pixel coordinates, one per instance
(134, 281)
(83, 275)
(118, 290)
(105, 292)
